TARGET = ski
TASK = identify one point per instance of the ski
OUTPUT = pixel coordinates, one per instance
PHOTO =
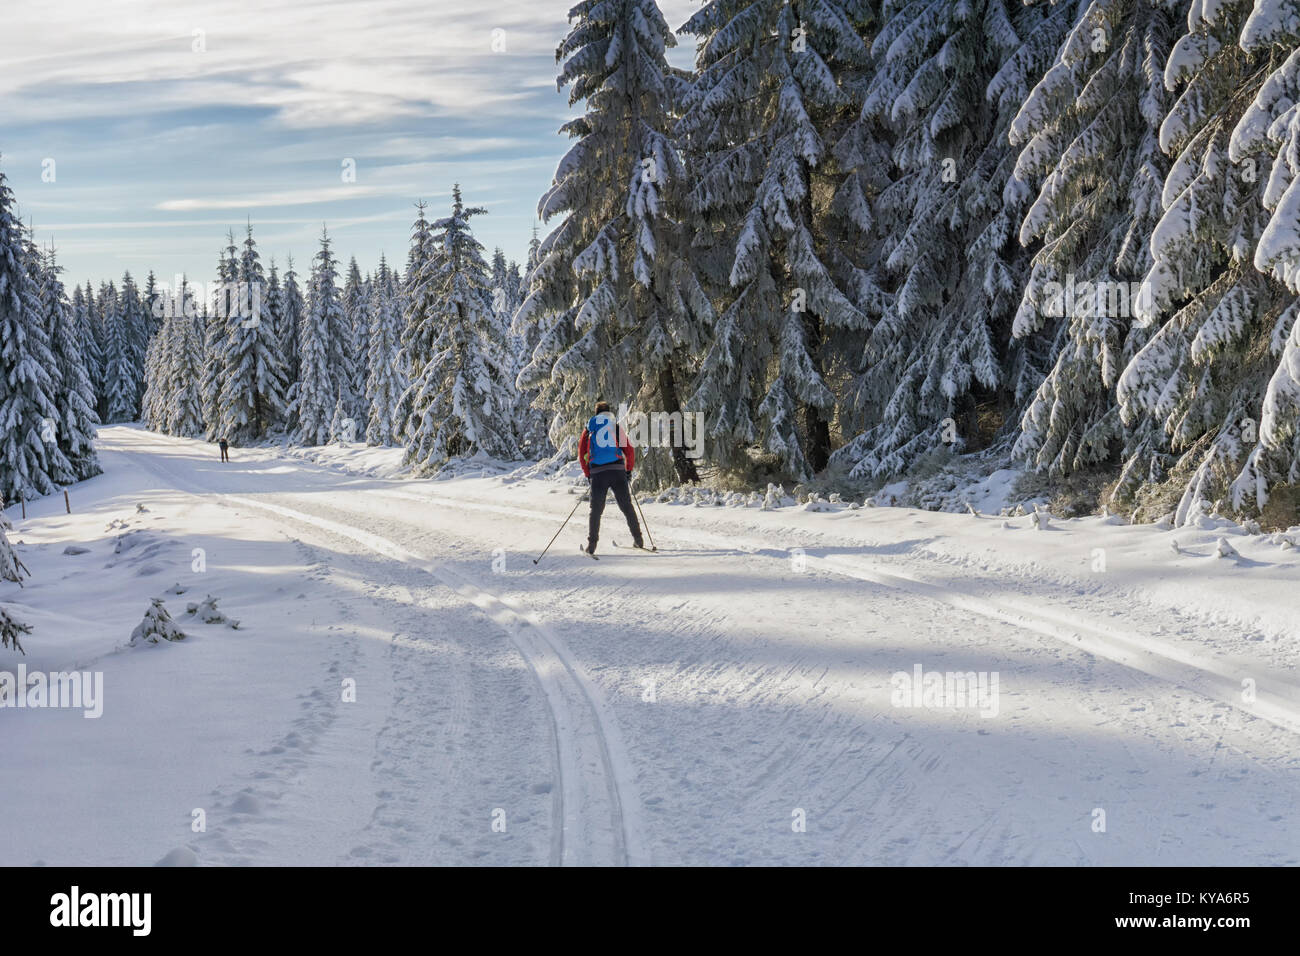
(632, 547)
(583, 548)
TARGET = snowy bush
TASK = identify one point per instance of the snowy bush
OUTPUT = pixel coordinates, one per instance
(157, 626)
(206, 611)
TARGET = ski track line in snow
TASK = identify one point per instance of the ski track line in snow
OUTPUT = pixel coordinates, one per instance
(584, 777)
(1276, 701)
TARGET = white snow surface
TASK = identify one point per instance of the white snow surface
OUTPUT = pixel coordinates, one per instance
(692, 706)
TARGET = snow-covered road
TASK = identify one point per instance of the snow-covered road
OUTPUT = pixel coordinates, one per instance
(729, 700)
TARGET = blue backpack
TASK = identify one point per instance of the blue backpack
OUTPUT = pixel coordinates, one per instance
(603, 446)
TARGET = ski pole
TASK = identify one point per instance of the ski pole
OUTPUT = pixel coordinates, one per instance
(643, 522)
(557, 534)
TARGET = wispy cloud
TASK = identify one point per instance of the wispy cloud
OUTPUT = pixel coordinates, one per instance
(297, 197)
(154, 109)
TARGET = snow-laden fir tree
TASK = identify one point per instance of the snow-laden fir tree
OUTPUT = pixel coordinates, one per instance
(317, 389)
(338, 430)
(58, 467)
(460, 398)
(174, 402)
(252, 391)
(419, 298)
(1270, 131)
(530, 419)
(119, 390)
(135, 328)
(947, 80)
(215, 338)
(184, 412)
(151, 301)
(156, 626)
(505, 302)
(356, 307)
(1195, 387)
(384, 381)
(273, 309)
(1090, 159)
(769, 90)
(620, 310)
(294, 311)
(74, 396)
(92, 338)
(343, 356)
(30, 457)
(151, 402)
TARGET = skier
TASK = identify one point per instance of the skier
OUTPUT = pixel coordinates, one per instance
(607, 458)
(225, 452)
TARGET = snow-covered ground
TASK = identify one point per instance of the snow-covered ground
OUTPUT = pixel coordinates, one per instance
(738, 697)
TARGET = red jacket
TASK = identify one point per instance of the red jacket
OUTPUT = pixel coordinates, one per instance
(584, 452)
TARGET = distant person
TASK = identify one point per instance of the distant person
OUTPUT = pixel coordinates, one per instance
(607, 457)
(225, 449)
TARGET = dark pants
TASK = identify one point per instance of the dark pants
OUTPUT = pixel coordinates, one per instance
(225, 454)
(602, 482)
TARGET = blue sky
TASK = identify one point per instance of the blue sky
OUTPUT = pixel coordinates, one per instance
(169, 122)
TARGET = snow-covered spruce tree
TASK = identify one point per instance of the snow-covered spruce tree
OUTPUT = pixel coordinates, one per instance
(1195, 387)
(150, 299)
(252, 391)
(30, 457)
(384, 381)
(294, 310)
(343, 356)
(153, 400)
(504, 305)
(418, 296)
(156, 626)
(356, 308)
(1270, 129)
(1088, 136)
(153, 403)
(185, 370)
(337, 433)
(317, 388)
(936, 370)
(273, 308)
(118, 365)
(530, 419)
(135, 328)
(507, 290)
(460, 397)
(770, 89)
(216, 337)
(59, 468)
(79, 316)
(92, 337)
(620, 309)
(173, 397)
(74, 396)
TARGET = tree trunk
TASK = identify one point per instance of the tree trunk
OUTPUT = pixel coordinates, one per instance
(668, 398)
